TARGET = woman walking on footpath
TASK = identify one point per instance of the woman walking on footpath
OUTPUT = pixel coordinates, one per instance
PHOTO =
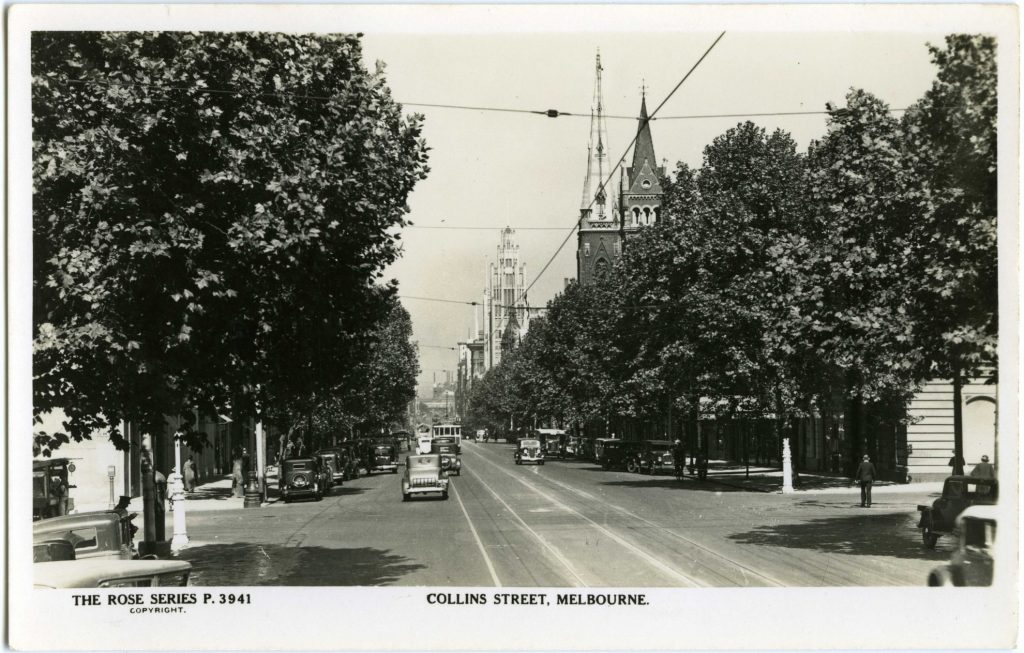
(190, 475)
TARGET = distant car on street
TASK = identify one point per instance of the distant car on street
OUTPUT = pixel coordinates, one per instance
(382, 457)
(448, 449)
(333, 461)
(654, 457)
(528, 450)
(971, 564)
(614, 453)
(423, 475)
(301, 478)
(958, 494)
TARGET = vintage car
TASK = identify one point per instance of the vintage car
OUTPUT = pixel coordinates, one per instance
(94, 534)
(111, 573)
(971, 565)
(423, 475)
(958, 493)
(655, 456)
(613, 453)
(348, 456)
(529, 450)
(423, 443)
(300, 478)
(332, 462)
(51, 487)
(382, 457)
(448, 449)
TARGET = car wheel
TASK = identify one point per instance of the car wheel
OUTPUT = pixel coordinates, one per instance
(929, 538)
(394, 471)
(405, 496)
(444, 495)
(632, 467)
(941, 577)
(540, 462)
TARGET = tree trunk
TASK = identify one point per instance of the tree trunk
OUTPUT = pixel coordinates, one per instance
(958, 421)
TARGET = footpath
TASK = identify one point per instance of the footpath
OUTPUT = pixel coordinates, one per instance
(769, 479)
(216, 493)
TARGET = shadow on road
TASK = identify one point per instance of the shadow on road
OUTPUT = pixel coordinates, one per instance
(671, 483)
(892, 534)
(269, 564)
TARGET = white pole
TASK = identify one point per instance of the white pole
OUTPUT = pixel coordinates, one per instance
(261, 463)
(180, 538)
(787, 468)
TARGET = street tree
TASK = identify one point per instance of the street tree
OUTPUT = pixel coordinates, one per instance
(951, 137)
(212, 215)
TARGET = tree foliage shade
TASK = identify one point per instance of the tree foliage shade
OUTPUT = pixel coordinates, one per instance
(785, 282)
(212, 214)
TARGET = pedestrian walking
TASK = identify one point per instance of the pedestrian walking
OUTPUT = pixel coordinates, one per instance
(866, 476)
(190, 475)
(956, 464)
(984, 469)
(237, 484)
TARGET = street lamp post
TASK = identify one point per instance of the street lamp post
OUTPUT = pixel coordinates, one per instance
(180, 538)
(111, 471)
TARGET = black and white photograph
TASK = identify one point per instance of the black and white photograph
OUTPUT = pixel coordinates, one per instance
(605, 325)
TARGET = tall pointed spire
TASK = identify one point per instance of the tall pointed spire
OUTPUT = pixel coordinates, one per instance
(595, 204)
(644, 149)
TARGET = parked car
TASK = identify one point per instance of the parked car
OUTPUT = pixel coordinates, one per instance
(971, 564)
(958, 494)
(613, 453)
(331, 460)
(383, 457)
(301, 478)
(348, 455)
(528, 450)
(448, 449)
(111, 573)
(94, 534)
(424, 475)
(51, 487)
(654, 457)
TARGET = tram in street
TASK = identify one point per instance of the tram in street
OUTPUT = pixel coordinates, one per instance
(450, 430)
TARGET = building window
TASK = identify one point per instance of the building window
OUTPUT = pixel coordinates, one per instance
(586, 249)
(617, 248)
(601, 267)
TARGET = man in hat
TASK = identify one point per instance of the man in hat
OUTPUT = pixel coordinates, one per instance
(865, 474)
(983, 469)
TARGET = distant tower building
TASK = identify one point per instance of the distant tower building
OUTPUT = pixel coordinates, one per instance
(505, 284)
(606, 221)
(641, 192)
(598, 237)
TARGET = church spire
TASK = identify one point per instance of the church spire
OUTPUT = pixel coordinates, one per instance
(643, 151)
(595, 204)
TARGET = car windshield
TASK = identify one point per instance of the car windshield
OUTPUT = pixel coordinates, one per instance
(424, 462)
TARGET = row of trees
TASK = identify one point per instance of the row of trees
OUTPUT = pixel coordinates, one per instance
(212, 215)
(786, 283)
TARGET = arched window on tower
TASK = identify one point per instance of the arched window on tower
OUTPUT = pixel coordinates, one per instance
(647, 215)
(601, 267)
(636, 215)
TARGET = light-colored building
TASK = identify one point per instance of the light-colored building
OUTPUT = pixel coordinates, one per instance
(504, 294)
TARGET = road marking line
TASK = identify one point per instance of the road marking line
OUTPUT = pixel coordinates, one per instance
(555, 552)
(652, 560)
(480, 545)
(743, 568)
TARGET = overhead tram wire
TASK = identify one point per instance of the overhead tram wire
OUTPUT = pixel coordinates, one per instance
(615, 168)
(637, 307)
(550, 113)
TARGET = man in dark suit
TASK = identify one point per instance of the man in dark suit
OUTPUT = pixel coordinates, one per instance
(866, 476)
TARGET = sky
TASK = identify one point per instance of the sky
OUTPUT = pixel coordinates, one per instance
(492, 169)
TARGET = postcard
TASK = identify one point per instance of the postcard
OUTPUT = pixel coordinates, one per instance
(513, 327)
